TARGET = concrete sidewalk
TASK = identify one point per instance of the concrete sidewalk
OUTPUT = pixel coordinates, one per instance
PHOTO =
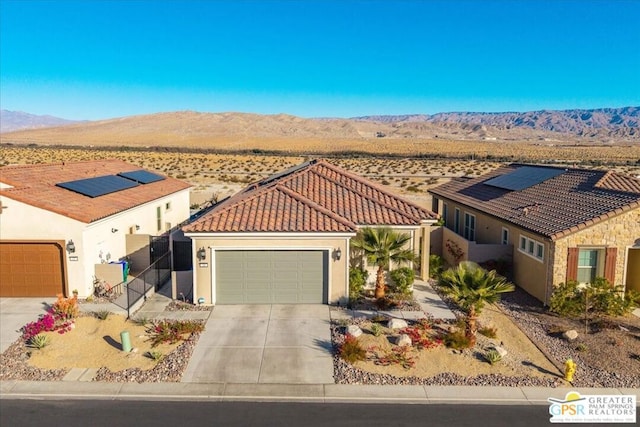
(321, 393)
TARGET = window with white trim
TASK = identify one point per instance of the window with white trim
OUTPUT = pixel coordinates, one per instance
(456, 221)
(469, 227)
(531, 247)
(590, 264)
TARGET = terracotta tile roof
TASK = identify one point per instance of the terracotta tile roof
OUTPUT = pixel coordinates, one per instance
(559, 206)
(313, 197)
(35, 185)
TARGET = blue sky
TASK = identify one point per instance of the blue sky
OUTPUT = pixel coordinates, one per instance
(101, 59)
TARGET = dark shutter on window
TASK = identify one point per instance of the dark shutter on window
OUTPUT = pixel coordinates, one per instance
(572, 264)
(610, 264)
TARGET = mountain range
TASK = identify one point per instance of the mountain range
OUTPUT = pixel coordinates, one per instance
(17, 120)
(189, 128)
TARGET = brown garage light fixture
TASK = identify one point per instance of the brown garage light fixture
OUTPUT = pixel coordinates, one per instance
(202, 254)
(71, 247)
(337, 254)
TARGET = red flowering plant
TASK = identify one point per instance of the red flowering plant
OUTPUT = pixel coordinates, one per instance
(60, 317)
(420, 335)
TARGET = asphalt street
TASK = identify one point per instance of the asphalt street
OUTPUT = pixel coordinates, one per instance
(109, 413)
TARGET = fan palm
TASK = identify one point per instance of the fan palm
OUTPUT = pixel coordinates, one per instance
(471, 287)
(382, 246)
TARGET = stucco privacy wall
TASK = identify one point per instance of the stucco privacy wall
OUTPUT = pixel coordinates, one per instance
(95, 243)
(338, 279)
(620, 231)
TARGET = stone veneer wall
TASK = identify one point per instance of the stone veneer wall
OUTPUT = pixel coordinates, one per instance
(620, 231)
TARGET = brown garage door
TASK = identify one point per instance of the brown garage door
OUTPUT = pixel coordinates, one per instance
(31, 269)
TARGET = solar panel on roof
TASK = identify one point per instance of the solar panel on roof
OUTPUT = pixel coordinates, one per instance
(98, 186)
(523, 177)
(142, 176)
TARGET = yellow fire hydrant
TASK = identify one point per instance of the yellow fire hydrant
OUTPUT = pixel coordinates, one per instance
(569, 369)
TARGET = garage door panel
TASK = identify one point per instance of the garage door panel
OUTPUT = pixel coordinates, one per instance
(31, 269)
(271, 276)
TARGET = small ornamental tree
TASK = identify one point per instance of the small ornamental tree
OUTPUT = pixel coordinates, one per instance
(471, 287)
(383, 246)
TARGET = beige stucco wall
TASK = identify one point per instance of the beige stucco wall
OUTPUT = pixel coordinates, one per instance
(530, 273)
(620, 231)
(95, 242)
(338, 270)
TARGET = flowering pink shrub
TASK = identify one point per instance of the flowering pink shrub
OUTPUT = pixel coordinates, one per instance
(45, 323)
(60, 317)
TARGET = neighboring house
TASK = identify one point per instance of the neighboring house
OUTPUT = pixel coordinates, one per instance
(553, 224)
(60, 224)
(285, 239)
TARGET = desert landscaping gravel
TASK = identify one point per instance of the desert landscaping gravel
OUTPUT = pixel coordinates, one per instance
(517, 305)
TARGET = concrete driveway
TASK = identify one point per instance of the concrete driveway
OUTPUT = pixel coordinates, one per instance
(17, 312)
(271, 344)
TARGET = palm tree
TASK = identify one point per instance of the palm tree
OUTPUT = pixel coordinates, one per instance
(471, 287)
(381, 246)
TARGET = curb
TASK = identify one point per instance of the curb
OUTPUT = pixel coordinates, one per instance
(318, 393)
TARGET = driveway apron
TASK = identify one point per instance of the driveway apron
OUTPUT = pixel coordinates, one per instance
(17, 312)
(270, 344)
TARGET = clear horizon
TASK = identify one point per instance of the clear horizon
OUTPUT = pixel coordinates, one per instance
(92, 60)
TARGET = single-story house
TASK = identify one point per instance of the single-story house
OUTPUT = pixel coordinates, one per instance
(285, 239)
(62, 223)
(553, 224)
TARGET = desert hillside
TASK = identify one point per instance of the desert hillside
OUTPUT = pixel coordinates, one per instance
(450, 135)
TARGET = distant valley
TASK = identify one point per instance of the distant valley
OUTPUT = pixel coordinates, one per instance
(451, 134)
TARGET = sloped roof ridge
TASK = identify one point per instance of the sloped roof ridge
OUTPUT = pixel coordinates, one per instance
(322, 162)
(605, 183)
(256, 192)
(316, 206)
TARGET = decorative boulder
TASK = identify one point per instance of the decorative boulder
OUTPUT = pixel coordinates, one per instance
(501, 351)
(354, 331)
(403, 340)
(397, 324)
(570, 335)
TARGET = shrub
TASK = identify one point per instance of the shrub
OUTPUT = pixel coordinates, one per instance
(488, 331)
(155, 355)
(172, 331)
(39, 341)
(419, 335)
(45, 323)
(597, 299)
(351, 350)
(65, 308)
(581, 347)
(102, 314)
(436, 266)
(396, 356)
(402, 279)
(357, 280)
(456, 339)
(492, 356)
(376, 329)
